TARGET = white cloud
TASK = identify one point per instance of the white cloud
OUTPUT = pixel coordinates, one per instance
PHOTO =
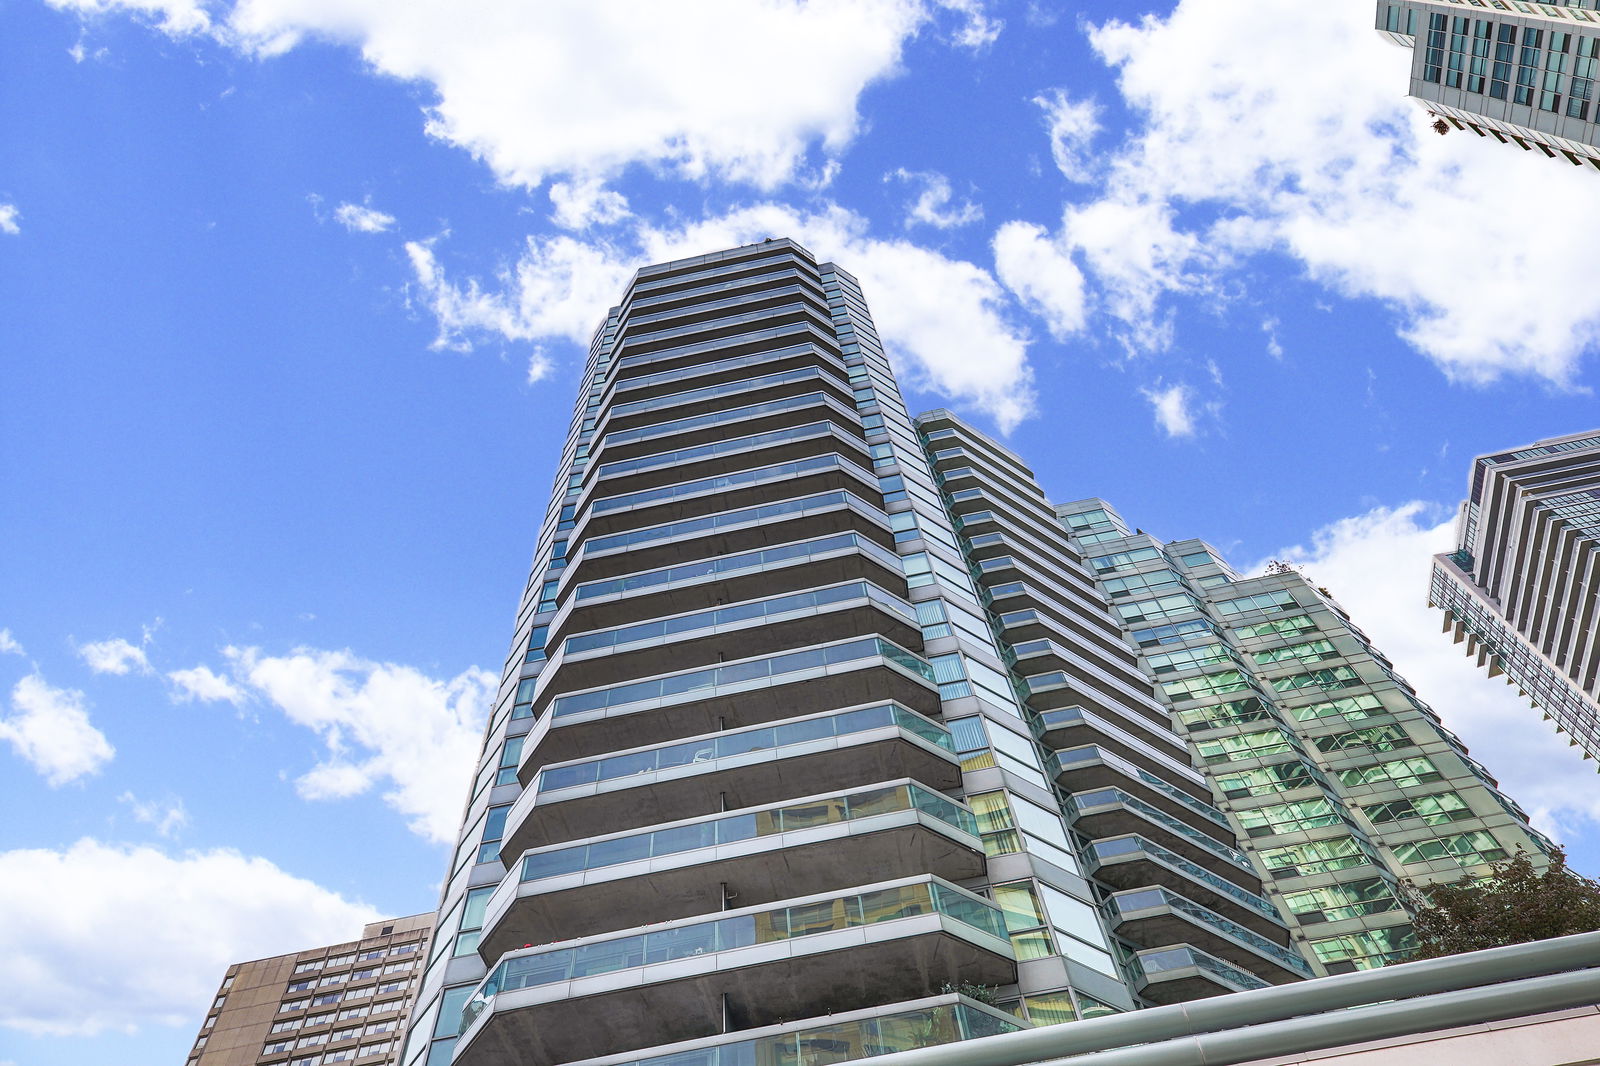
(1377, 565)
(1267, 145)
(50, 729)
(560, 288)
(9, 644)
(167, 816)
(1043, 276)
(176, 17)
(1174, 409)
(203, 684)
(943, 320)
(935, 204)
(979, 30)
(382, 725)
(585, 88)
(1072, 125)
(109, 937)
(114, 656)
(8, 219)
(362, 218)
(584, 203)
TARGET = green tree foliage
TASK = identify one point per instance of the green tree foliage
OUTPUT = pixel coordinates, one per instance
(1514, 904)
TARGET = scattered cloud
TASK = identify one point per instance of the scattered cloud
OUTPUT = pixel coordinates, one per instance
(1042, 275)
(8, 219)
(362, 218)
(179, 18)
(382, 725)
(202, 684)
(1174, 409)
(935, 203)
(115, 656)
(1072, 125)
(167, 816)
(1269, 326)
(932, 311)
(111, 937)
(9, 644)
(50, 729)
(581, 204)
(1377, 564)
(1245, 142)
(979, 30)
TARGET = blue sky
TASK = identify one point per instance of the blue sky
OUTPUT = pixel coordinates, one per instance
(295, 295)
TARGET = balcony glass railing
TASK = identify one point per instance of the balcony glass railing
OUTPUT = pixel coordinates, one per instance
(1089, 753)
(1125, 903)
(1103, 850)
(721, 447)
(1157, 963)
(724, 482)
(725, 565)
(762, 610)
(1066, 717)
(750, 825)
(633, 538)
(736, 676)
(711, 392)
(642, 950)
(846, 1041)
(1106, 797)
(740, 742)
(715, 418)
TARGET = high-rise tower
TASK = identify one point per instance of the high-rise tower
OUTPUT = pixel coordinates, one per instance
(1339, 780)
(762, 779)
(1522, 588)
(1523, 74)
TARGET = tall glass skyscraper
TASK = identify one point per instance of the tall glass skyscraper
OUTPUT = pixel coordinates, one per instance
(761, 774)
(817, 739)
(1338, 779)
(1519, 73)
(1522, 588)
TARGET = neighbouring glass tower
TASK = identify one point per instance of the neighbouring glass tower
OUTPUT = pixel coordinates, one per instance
(1339, 782)
(1521, 73)
(1522, 588)
(762, 778)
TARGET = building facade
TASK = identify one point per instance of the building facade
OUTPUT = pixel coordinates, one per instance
(1338, 780)
(1520, 73)
(1522, 588)
(765, 776)
(340, 1003)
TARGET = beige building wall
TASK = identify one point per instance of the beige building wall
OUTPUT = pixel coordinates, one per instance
(325, 1006)
(1560, 1038)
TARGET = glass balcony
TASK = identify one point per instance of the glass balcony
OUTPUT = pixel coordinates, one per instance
(1165, 917)
(1135, 862)
(1181, 974)
(693, 527)
(744, 629)
(721, 483)
(751, 673)
(842, 1038)
(1110, 812)
(1093, 765)
(1065, 727)
(814, 844)
(683, 457)
(727, 416)
(702, 976)
(766, 611)
(730, 770)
